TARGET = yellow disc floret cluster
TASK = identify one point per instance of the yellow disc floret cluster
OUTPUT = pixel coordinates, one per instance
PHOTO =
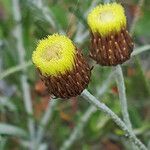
(107, 18)
(54, 55)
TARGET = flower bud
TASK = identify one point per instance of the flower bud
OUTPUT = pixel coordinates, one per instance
(111, 43)
(62, 66)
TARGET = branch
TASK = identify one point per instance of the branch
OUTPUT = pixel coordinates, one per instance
(140, 50)
(101, 106)
(122, 95)
(45, 119)
(21, 52)
(78, 129)
(85, 117)
(123, 100)
(15, 69)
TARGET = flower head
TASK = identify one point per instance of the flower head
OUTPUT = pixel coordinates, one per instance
(62, 66)
(54, 55)
(107, 18)
(111, 43)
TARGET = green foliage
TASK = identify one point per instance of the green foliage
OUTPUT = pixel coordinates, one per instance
(68, 16)
(143, 25)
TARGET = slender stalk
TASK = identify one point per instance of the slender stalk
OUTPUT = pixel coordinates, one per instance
(140, 50)
(45, 119)
(85, 117)
(47, 14)
(89, 97)
(15, 69)
(123, 100)
(45, 11)
(120, 78)
(78, 129)
(148, 144)
(104, 87)
(21, 52)
(122, 96)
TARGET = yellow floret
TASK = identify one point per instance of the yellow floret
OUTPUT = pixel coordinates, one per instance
(107, 18)
(54, 55)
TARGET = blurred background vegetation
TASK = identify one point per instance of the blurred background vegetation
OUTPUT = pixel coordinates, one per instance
(18, 35)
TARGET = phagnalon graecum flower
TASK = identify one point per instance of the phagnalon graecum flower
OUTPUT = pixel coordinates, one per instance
(62, 66)
(111, 43)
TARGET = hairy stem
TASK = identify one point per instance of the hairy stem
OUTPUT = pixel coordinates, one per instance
(85, 117)
(122, 97)
(15, 69)
(140, 50)
(45, 119)
(88, 96)
(78, 129)
(21, 52)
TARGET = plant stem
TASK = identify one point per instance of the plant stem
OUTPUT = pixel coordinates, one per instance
(85, 117)
(105, 85)
(88, 96)
(21, 52)
(15, 69)
(46, 12)
(122, 97)
(78, 129)
(140, 50)
(45, 119)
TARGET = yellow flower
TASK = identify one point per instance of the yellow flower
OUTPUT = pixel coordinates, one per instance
(61, 66)
(54, 55)
(106, 19)
(111, 43)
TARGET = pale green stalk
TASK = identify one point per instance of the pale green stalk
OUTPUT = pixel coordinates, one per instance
(78, 129)
(123, 100)
(21, 52)
(84, 118)
(45, 119)
(140, 50)
(101, 106)
(15, 69)
(122, 95)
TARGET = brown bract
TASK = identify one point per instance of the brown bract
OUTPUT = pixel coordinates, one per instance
(111, 50)
(73, 82)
